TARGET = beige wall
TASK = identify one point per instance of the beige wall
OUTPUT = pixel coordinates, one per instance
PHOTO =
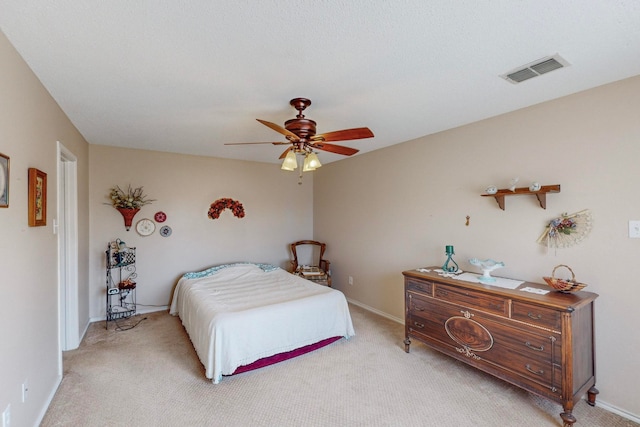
(395, 209)
(31, 123)
(380, 213)
(278, 211)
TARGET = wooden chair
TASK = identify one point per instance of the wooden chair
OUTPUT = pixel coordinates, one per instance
(318, 270)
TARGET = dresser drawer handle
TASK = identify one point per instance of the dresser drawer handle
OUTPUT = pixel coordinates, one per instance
(419, 325)
(534, 316)
(533, 347)
(418, 308)
(442, 293)
(528, 368)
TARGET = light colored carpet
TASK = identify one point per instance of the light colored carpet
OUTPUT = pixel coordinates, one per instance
(151, 376)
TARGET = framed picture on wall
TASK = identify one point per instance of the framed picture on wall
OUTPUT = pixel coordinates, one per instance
(37, 198)
(4, 181)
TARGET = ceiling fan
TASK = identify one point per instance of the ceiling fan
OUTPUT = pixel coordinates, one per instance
(302, 138)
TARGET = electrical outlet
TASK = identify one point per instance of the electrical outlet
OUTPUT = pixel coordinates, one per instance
(634, 229)
(25, 390)
(6, 416)
(350, 280)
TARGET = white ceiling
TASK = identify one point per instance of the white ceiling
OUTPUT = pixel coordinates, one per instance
(188, 76)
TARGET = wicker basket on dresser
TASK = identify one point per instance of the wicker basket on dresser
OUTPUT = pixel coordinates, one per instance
(541, 343)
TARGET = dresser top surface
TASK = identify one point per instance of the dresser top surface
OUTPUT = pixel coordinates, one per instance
(553, 298)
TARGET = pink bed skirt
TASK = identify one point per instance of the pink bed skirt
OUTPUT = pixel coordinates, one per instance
(281, 357)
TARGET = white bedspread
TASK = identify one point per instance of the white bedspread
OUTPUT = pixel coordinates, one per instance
(242, 313)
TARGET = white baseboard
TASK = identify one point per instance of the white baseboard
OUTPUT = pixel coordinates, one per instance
(618, 411)
(84, 332)
(376, 311)
(152, 309)
(141, 310)
(52, 393)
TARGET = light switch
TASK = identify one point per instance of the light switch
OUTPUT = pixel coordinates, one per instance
(634, 229)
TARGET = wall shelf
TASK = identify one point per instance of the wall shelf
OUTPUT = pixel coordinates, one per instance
(540, 194)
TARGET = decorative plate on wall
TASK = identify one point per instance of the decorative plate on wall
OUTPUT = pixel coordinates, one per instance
(145, 227)
(165, 231)
(160, 216)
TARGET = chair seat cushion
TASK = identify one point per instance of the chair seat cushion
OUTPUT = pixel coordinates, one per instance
(318, 277)
(314, 274)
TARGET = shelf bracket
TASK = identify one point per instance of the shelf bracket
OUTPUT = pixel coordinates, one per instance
(542, 198)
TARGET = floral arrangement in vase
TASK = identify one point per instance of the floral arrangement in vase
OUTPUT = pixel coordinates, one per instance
(133, 198)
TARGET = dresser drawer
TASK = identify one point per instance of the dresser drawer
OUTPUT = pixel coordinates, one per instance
(536, 315)
(422, 286)
(427, 316)
(418, 304)
(541, 373)
(472, 299)
(533, 356)
(541, 348)
(550, 390)
(427, 328)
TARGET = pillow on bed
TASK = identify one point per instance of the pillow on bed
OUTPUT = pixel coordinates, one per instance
(213, 270)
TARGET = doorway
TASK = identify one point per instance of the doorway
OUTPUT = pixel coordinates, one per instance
(67, 231)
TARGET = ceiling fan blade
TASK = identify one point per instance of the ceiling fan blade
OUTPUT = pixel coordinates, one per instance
(245, 143)
(284, 154)
(344, 135)
(290, 135)
(332, 148)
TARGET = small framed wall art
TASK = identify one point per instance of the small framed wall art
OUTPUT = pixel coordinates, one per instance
(37, 198)
(4, 181)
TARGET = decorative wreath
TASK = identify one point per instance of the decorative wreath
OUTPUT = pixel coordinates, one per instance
(221, 204)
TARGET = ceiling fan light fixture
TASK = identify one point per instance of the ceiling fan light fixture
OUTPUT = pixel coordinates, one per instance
(311, 162)
(290, 163)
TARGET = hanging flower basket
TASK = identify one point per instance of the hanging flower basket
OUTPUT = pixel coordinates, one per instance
(128, 203)
(128, 214)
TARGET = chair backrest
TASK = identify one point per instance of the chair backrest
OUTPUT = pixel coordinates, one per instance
(307, 252)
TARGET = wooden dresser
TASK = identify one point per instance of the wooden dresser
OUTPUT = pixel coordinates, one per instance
(541, 343)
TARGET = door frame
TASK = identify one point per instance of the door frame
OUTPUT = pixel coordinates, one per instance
(67, 231)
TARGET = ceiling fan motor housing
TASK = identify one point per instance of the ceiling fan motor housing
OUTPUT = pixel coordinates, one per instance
(304, 128)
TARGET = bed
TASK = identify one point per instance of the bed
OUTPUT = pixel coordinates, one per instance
(243, 314)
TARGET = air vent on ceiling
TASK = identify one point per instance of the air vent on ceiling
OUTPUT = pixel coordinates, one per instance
(535, 69)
